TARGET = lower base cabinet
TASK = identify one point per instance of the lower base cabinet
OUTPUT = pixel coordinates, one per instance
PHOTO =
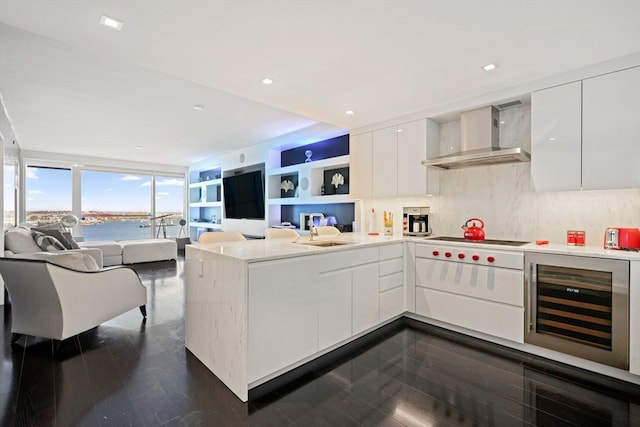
(391, 303)
(334, 307)
(499, 320)
(282, 315)
(300, 306)
(480, 298)
(365, 297)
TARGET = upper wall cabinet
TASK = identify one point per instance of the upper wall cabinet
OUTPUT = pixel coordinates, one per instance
(361, 165)
(611, 130)
(418, 141)
(384, 163)
(586, 135)
(387, 162)
(556, 135)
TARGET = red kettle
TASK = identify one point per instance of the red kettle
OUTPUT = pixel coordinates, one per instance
(472, 232)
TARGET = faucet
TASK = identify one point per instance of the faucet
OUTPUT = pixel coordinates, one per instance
(313, 233)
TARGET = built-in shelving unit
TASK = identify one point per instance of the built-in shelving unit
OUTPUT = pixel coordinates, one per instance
(205, 200)
(319, 185)
(308, 180)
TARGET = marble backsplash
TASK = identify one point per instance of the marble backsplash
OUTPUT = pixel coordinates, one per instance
(502, 196)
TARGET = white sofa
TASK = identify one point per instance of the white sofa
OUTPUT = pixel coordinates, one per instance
(20, 243)
(133, 251)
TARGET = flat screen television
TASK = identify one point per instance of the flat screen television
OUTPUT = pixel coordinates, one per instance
(244, 196)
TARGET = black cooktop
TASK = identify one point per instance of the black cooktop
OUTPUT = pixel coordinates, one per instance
(486, 241)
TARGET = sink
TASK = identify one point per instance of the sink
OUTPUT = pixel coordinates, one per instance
(324, 244)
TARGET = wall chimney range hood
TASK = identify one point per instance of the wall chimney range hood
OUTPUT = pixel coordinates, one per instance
(480, 131)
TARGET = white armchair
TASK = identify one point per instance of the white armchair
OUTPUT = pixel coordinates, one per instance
(52, 301)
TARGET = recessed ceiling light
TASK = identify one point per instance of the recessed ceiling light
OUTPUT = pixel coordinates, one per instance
(349, 112)
(399, 130)
(107, 21)
(139, 147)
(490, 67)
(198, 107)
(267, 81)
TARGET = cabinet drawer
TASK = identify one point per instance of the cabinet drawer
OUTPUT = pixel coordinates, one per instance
(505, 259)
(391, 251)
(391, 304)
(346, 259)
(500, 320)
(391, 281)
(391, 266)
(493, 284)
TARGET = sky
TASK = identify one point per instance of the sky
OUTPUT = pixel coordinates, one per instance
(50, 189)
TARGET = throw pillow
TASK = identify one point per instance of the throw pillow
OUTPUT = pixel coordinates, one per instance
(55, 230)
(73, 260)
(46, 242)
(19, 241)
(69, 238)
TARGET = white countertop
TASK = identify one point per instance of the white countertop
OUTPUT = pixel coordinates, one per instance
(269, 249)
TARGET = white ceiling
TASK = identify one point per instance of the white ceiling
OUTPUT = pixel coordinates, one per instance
(72, 86)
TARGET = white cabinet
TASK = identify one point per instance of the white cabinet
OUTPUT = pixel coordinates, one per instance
(387, 162)
(334, 307)
(384, 164)
(482, 298)
(282, 314)
(365, 297)
(391, 281)
(361, 162)
(586, 135)
(300, 306)
(611, 130)
(417, 141)
(556, 138)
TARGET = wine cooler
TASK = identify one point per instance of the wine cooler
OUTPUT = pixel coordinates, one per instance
(579, 306)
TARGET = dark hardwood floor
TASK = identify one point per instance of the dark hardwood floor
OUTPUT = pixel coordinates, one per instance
(126, 372)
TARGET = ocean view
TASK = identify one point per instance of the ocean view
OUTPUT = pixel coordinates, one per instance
(125, 230)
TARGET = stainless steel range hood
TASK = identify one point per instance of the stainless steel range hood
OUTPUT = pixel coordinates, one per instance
(479, 143)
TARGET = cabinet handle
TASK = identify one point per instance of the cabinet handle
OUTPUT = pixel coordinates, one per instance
(527, 295)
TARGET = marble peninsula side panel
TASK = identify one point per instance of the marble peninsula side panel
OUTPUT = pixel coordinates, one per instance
(216, 315)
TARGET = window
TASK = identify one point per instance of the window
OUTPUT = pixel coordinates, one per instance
(170, 205)
(10, 189)
(115, 206)
(118, 206)
(48, 194)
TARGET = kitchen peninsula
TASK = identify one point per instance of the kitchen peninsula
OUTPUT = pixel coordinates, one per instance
(258, 309)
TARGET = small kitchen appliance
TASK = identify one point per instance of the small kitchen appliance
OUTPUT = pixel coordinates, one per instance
(622, 238)
(415, 221)
(473, 232)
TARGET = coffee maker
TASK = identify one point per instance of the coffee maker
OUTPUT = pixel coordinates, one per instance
(415, 221)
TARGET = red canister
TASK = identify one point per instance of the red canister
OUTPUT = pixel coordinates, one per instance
(571, 238)
(580, 238)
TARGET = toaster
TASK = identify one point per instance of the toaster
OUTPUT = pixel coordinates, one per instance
(621, 238)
